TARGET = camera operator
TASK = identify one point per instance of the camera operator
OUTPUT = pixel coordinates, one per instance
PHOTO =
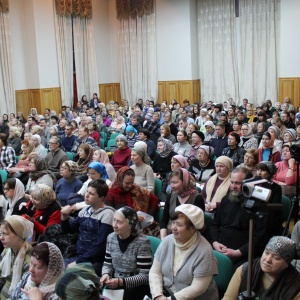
(230, 228)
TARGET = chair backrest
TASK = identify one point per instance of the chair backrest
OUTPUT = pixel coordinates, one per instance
(70, 155)
(102, 143)
(103, 135)
(3, 175)
(207, 221)
(157, 187)
(225, 268)
(154, 242)
(286, 207)
(109, 144)
(114, 135)
(159, 214)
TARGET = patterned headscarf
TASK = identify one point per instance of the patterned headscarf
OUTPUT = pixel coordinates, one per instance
(282, 246)
(189, 184)
(271, 167)
(84, 162)
(168, 147)
(73, 167)
(132, 218)
(47, 195)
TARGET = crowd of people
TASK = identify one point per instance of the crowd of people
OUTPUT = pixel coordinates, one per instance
(73, 213)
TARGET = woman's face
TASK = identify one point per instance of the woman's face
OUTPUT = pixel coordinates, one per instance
(221, 170)
(167, 117)
(81, 153)
(272, 132)
(191, 128)
(175, 164)
(90, 127)
(96, 156)
(8, 238)
(162, 131)
(180, 137)
(244, 130)
(128, 182)
(38, 270)
(249, 160)
(25, 149)
(272, 264)
(93, 174)
(121, 144)
(35, 141)
(180, 231)
(136, 159)
(196, 140)
(263, 174)
(31, 166)
(176, 184)
(260, 128)
(160, 147)
(286, 153)
(120, 225)
(65, 171)
(36, 201)
(196, 110)
(298, 129)
(9, 193)
(287, 138)
(236, 126)
(232, 141)
(266, 141)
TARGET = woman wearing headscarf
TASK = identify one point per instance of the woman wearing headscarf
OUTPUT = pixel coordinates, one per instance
(248, 141)
(39, 173)
(261, 128)
(273, 276)
(15, 194)
(124, 192)
(162, 161)
(102, 157)
(184, 261)
(15, 230)
(85, 153)
(42, 210)
(218, 185)
(183, 192)
(128, 256)
(144, 176)
(275, 135)
(46, 265)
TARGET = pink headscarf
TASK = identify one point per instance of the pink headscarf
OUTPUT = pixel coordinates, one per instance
(189, 184)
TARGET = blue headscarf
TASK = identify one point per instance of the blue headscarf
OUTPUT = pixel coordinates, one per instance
(100, 168)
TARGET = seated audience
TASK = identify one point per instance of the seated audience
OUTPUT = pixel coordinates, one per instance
(185, 256)
(94, 224)
(183, 192)
(15, 259)
(83, 138)
(102, 157)
(124, 192)
(69, 183)
(39, 148)
(93, 132)
(7, 156)
(144, 135)
(131, 135)
(250, 161)
(290, 136)
(68, 139)
(46, 265)
(14, 139)
(122, 155)
(197, 140)
(268, 152)
(85, 155)
(273, 276)
(218, 185)
(166, 133)
(221, 141)
(248, 141)
(128, 257)
(117, 126)
(182, 147)
(261, 128)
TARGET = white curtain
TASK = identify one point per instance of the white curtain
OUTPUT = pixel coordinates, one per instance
(258, 50)
(7, 94)
(238, 56)
(63, 29)
(137, 55)
(85, 57)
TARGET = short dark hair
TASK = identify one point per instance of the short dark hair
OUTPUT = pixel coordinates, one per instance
(220, 124)
(100, 186)
(3, 138)
(11, 183)
(41, 253)
(187, 221)
(145, 131)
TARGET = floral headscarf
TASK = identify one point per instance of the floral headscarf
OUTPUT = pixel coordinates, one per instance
(168, 147)
(189, 184)
(47, 196)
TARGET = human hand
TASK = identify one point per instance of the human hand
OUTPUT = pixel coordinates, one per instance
(72, 264)
(112, 283)
(219, 247)
(67, 210)
(103, 280)
(33, 293)
(291, 162)
(22, 204)
(232, 253)
(162, 297)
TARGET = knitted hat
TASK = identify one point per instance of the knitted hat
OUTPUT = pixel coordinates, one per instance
(130, 128)
(182, 160)
(276, 129)
(282, 246)
(22, 227)
(270, 166)
(200, 134)
(99, 168)
(226, 161)
(209, 123)
(208, 150)
(292, 133)
(194, 213)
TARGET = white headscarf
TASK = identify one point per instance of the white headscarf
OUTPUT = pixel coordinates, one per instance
(18, 194)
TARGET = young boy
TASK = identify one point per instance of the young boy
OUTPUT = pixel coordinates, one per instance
(94, 224)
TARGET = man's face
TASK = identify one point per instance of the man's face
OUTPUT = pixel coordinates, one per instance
(245, 102)
(184, 114)
(240, 117)
(62, 124)
(286, 100)
(53, 121)
(137, 111)
(230, 112)
(134, 122)
(142, 136)
(53, 145)
(68, 131)
(155, 118)
(81, 133)
(284, 117)
(29, 121)
(236, 181)
(183, 125)
(220, 131)
(43, 123)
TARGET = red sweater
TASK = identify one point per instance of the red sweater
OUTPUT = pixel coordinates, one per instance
(121, 158)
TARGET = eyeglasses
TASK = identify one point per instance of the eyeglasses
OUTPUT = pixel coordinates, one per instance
(51, 143)
(6, 189)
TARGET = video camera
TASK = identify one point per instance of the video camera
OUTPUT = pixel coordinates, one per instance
(295, 151)
(254, 193)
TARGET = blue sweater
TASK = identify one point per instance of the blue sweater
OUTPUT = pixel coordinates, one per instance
(64, 188)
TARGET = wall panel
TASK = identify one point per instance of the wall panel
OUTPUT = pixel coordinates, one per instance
(110, 91)
(289, 87)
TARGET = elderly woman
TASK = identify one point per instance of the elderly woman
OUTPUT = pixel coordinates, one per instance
(218, 185)
(122, 155)
(183, 192)
(117, 126)
(290, 136)
(275, 136)
(144, 175)
(233, 150)
(14, 139)
(15, 231)
(248, 141)
(287, 168)
(15, 194)
(197, 140)
(250, 161)
(184, 261)
(38, 130)
(162, 161)
(68, 183)
(124, 192)
(128, 256)
(273, 276)
(46, 265)
(39, 148)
